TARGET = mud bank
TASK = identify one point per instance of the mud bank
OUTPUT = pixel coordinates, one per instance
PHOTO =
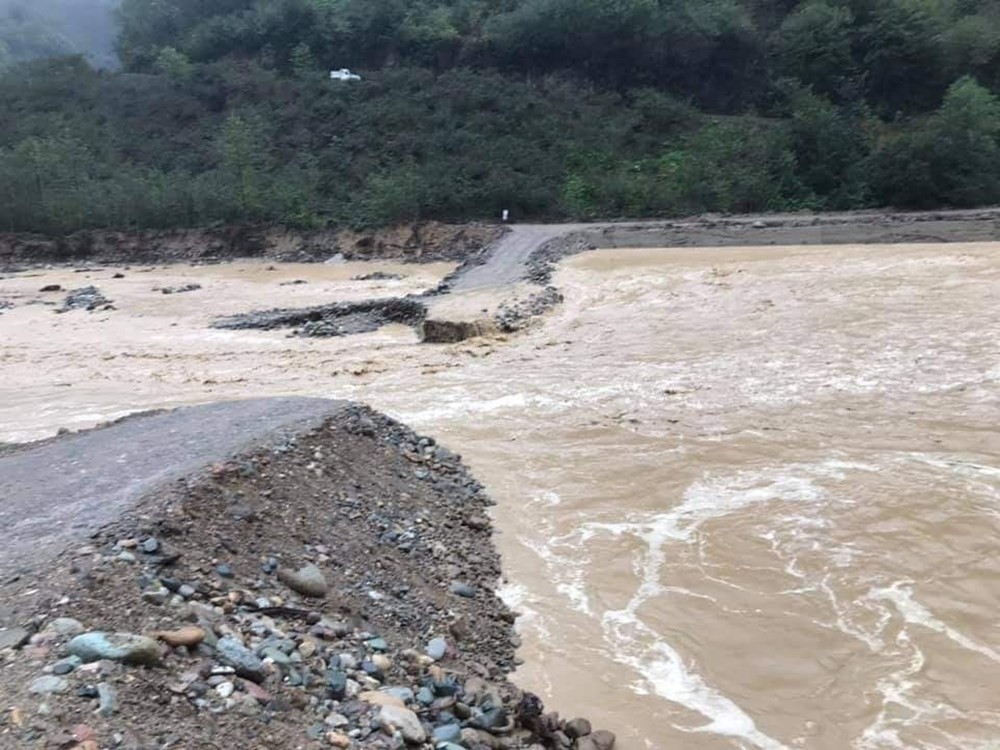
(423, 242)
(330, 586)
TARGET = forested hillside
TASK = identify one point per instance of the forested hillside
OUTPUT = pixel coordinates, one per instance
(224, 111)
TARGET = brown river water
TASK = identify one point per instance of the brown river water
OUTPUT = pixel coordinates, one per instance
(748, 498)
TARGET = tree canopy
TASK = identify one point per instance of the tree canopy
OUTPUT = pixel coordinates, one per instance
(224, 110)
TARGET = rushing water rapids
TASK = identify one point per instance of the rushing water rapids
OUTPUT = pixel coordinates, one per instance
(749, 498)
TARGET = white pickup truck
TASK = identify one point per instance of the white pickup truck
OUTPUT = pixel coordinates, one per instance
(343, 75)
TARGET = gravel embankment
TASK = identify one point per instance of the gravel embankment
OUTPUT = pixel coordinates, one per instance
(330, 586)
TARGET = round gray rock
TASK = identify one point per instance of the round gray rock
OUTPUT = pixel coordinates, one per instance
(108, 701)
(121, 647)
(234, 654)
(406, 722)
(67, 665)
(448, 733)
(64, 626)
(49, 684)
(577, 728)
(308, 581)
(437, 648)
(13, 638)
(599, 740)
(463, 589)
(405, 694)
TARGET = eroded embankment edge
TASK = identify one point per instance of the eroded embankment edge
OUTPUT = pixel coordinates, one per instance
(330, 585)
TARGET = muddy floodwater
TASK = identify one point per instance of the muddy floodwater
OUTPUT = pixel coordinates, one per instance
(748, 498)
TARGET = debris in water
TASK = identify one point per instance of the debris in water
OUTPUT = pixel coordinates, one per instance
(180, 289)
(87, 298)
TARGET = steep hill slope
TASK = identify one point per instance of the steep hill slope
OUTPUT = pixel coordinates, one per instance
(552, 109)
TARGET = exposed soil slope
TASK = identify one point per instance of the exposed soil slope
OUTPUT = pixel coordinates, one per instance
(423, 242)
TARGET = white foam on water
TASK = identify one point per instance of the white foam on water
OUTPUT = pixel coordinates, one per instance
(549, 498)
(897, 690)
(900, 594)
(707, 500)
(514, 595)
(662, 669)
(458, 405)
(794, 538)
(576, 592)
(844, 622)
(680, 590)
(799, 533)
(519, 599)
(900, 689)
(566, 572)
(980, 478)
(452, 408)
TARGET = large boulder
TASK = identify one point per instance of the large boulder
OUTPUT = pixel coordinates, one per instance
(453, 331)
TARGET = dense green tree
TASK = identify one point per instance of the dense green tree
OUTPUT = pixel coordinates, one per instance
(551, 108)
(47, 181)
(831, 147)
(902, 52)
(972, 46)
(175, 65)
(734, 167)
(950, 159)
(242, 151)
(302, 60)
(815, 45)
(599, 36)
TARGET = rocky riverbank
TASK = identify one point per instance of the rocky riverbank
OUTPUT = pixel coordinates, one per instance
(334, 589)
(336, 319)
(349, 318)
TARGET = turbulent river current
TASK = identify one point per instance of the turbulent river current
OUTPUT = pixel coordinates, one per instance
(747, 498)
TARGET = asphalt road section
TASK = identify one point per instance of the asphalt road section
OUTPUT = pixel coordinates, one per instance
(58, 492)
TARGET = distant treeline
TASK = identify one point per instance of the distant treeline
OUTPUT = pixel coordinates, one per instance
(224, 111)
